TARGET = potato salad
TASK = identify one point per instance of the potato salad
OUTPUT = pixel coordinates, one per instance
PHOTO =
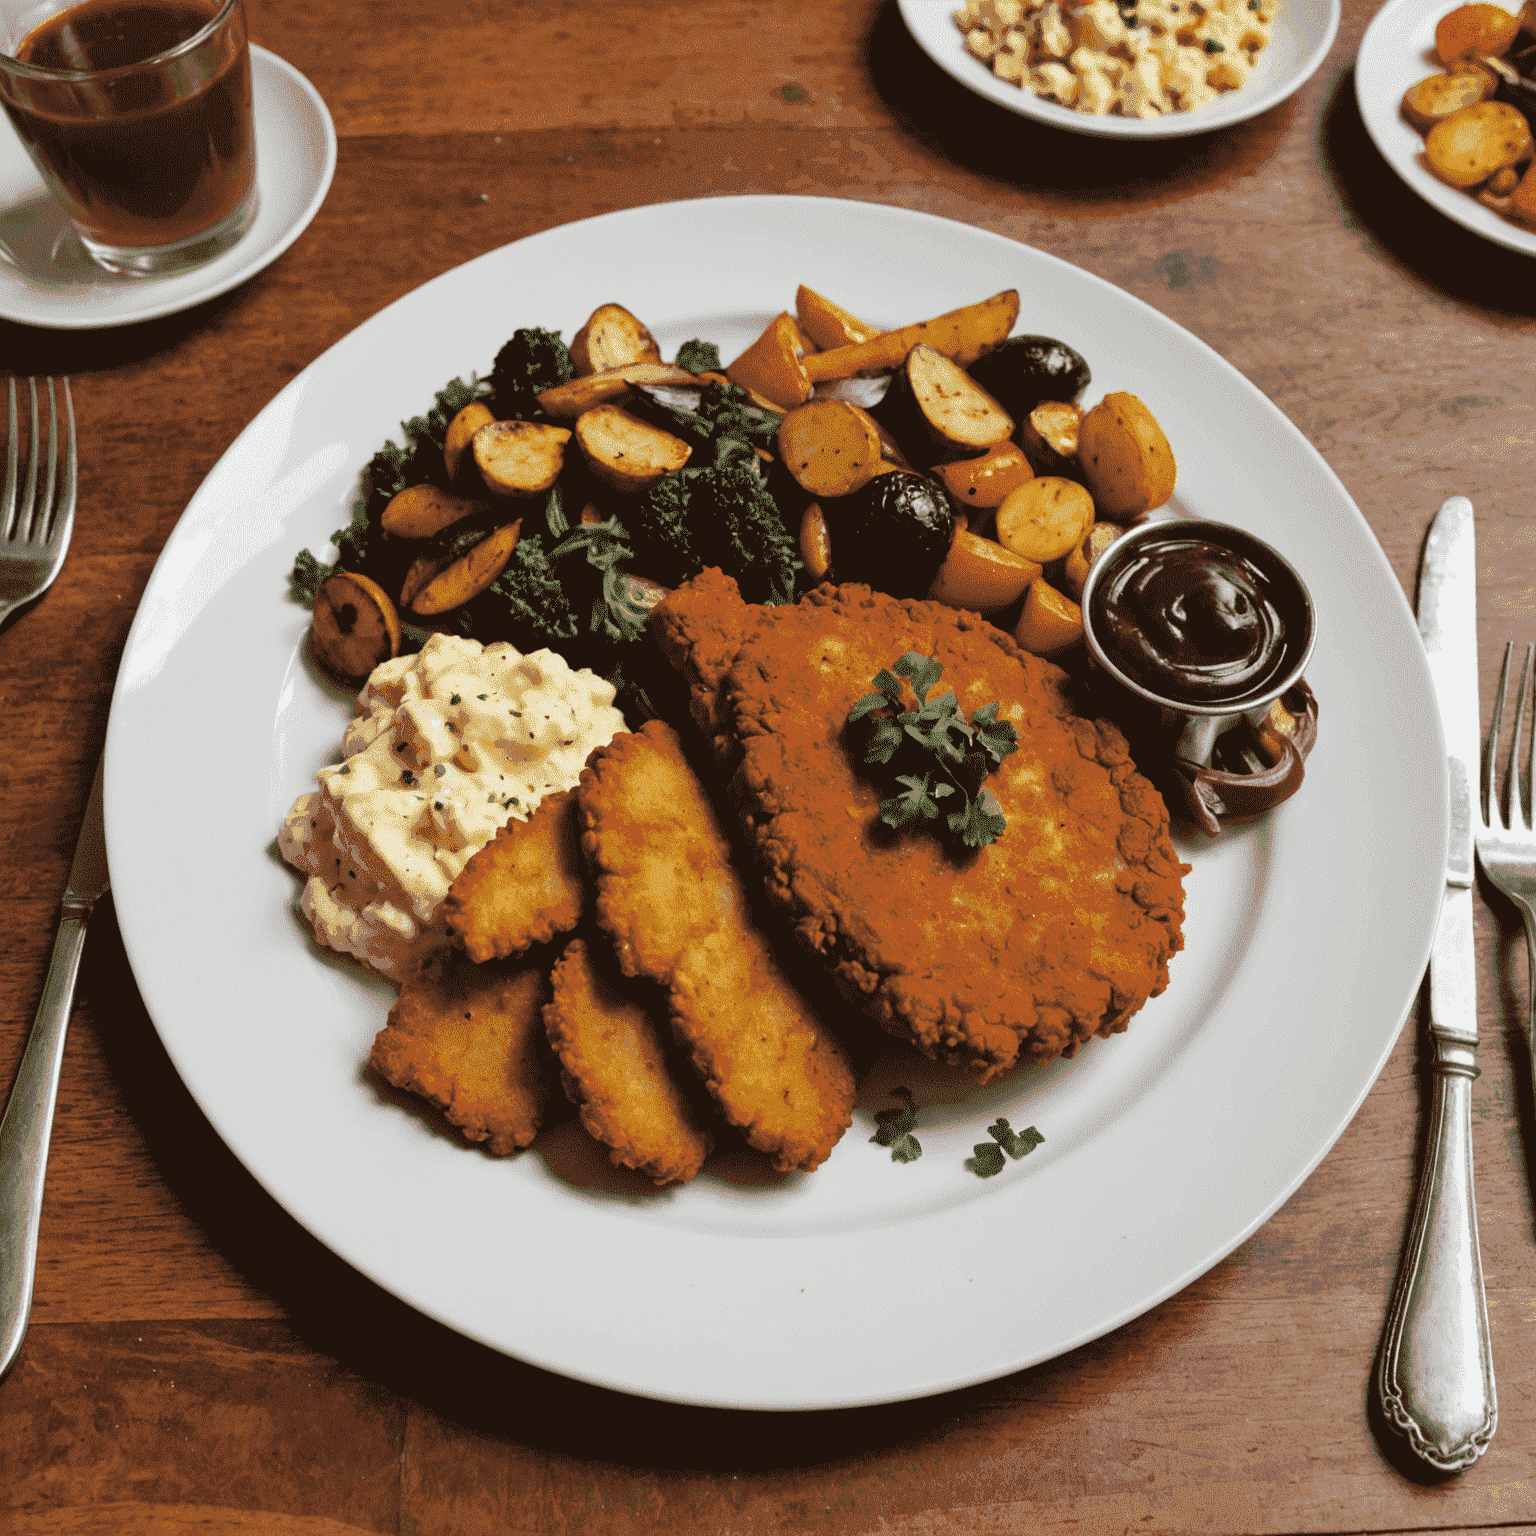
(447, 747)
(1134, 58)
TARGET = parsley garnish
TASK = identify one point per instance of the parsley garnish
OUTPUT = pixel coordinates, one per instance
(989, 1154)
(896, 1129)
(954, 754)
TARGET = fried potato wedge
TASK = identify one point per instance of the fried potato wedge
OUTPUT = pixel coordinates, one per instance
(986, 481)
(470, 1039)
(524, 887)
(962, 335)
(829, 324)
(815, 542)
(614, 1070)
(567, 401)
(981, 575)
(1050, 622)
(611, 338)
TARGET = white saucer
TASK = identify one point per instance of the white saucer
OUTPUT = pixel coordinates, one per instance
(47, 279)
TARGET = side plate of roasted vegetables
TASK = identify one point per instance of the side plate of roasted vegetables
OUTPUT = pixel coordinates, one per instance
(556, 500)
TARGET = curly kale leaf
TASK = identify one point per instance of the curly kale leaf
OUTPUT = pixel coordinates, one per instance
(532, 361)
(699, 356)
(527, 604)
(305, 579)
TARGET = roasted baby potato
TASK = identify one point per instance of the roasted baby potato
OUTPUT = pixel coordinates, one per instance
(830, 447)
(625, 452)
(419, 511)
(1125, 457)
(937, 411)
(567, 401)
(980, 574)
(1075, 568)
(1044, 518)
(611, 338)
(815, 542)
(1435, 98)
(1475, 29)
(1049, 437)
(774, 367)
(1050, 621)
(460, 430)
(469, 575)
(355, 626)
(519, 458)
(1467, 147)
(984, 483)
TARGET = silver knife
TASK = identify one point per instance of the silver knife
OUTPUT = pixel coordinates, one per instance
(1435, 1371)
(28, 1122)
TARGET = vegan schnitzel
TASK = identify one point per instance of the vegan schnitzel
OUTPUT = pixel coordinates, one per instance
(1057, 932)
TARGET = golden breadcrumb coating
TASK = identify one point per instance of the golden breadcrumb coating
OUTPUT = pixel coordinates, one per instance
(471, 1039)
(615, 1071)
(675, 907)
(525, 886)
(1022, 950)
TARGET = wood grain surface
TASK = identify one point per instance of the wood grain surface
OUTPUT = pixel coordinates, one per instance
(197, 1363)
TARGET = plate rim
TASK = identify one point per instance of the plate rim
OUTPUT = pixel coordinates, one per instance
(1377, 98)
(1171, 125)
(180, 297)
(138, 943)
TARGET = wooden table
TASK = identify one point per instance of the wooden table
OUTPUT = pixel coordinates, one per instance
(198, 1363)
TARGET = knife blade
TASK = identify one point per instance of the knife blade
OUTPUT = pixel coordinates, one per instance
(1435, 1371)
(27, 1126)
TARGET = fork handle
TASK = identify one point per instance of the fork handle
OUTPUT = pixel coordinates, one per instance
(26, 1130)
(1435, 1370)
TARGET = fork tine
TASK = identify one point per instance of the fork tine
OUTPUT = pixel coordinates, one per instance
(8, 498)
(1520, 783)
(1492, 814)
(64, 512)
(28, 504)
(42, 511)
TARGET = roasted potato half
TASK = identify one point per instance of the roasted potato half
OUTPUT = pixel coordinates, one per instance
(1125, 457)
(1467, 147)
(774, 365)
(625, 452)
(830, 447)
(519, 458)
(419, 511)
(355, 626)
(1044, 519)
(611, 338)
(1475, 29)
(1436, 97)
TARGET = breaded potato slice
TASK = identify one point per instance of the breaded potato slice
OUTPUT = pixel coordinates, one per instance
(470, 1038)
(671, 900)
(614, 1070)
(525, 886)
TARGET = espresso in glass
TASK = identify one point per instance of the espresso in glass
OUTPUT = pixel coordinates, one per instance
(138, 114)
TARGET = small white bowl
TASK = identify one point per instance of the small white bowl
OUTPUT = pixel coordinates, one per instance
(1303, 34)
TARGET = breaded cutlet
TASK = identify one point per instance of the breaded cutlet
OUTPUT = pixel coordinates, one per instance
(1021, 951)
(671, 900)
(614, 1069)
(470, 1038)
(525, 886)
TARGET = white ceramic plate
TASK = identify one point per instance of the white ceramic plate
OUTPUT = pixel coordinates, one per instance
(47, 279)
(1397, 51)
(1303, 34)
(868, 1280)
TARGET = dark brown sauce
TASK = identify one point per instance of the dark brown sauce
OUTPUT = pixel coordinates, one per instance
(146, 156)
(1194, 622)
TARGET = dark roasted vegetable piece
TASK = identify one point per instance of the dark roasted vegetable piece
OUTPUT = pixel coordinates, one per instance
(533, 360)
(893, 535)
(1028, 369)
(526, 604)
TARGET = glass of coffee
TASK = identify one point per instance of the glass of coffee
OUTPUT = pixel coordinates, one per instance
(138, 115)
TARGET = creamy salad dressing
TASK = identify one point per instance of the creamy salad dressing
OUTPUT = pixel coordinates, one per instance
(448, 745)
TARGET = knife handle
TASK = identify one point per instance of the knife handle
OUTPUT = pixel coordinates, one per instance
(26, 1130)
(1435, 1371)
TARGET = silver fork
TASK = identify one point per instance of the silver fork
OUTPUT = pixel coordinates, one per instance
(37, 510)
(1506, 843)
